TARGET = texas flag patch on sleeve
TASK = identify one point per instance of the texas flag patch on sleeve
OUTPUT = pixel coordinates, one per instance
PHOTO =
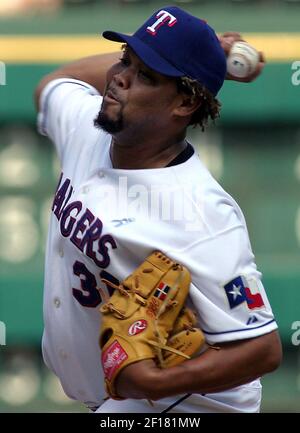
(243, 290)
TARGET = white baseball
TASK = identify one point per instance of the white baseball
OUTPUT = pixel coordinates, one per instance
(242, 60)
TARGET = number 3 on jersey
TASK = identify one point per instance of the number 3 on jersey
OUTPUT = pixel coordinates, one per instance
(91, 298)
(89, 295)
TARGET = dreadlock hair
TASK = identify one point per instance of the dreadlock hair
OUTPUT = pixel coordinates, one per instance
(209, 108)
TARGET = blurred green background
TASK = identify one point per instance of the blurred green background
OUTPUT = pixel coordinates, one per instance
(253, 150)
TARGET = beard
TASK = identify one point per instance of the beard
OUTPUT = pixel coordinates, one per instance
(102, 121)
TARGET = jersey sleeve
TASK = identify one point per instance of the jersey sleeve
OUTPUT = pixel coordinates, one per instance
(227, 290)
(63, 103)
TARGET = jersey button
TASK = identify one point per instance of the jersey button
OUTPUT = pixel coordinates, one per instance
(85, 190)
(56, 302)
(101, 174)
(61, 252)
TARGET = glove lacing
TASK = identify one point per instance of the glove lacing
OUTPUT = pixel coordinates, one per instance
(167, 303)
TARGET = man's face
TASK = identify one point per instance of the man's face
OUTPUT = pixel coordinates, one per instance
(136, 99)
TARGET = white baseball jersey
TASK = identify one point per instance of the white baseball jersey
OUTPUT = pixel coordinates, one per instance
(106, 221)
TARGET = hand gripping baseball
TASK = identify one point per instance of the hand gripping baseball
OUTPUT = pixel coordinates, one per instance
(144, 311)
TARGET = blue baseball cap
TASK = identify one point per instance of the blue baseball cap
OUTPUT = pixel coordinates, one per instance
(175, 43)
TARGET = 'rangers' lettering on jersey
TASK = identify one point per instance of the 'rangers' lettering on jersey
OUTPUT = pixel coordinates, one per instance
(79, 224)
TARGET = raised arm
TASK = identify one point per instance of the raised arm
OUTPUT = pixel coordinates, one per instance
(227, 40)
(92, 70)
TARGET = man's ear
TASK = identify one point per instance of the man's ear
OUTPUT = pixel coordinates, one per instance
(187, 106)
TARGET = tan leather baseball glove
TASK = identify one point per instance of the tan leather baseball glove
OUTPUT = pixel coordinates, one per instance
(145, 319)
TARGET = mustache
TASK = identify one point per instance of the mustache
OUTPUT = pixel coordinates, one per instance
(111, 92)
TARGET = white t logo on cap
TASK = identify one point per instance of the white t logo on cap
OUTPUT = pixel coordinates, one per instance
(163, 17)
